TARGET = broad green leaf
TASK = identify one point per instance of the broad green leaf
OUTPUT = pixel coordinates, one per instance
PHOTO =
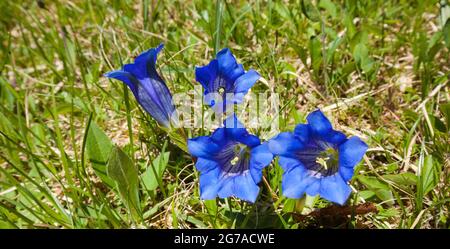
(197, 222)
(372, 182)
(360, 53)
(310, 11)
(329, 6)
(381, 190)
(211, 207)
(122, 170)
(403, 179)
(301, 51)
(437, 123)
(289, 205)
(282, 10)
(159, 164)
(361, 37)
(390, 212)
(98, 148)
(366, 194)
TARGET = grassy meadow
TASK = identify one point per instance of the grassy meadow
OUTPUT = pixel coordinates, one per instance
(378, 69)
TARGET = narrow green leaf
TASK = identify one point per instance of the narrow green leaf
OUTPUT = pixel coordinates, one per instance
(428, 175)
(178, 139)
(315, 51)
(446, 31)
(332, 48)
(445, 109)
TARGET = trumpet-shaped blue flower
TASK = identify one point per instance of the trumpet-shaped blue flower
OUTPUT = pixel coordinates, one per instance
(147, 86)
(225, 81)
(316, 159)
(230, 161)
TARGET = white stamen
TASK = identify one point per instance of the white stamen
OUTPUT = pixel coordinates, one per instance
(323, 161)
(235, 160)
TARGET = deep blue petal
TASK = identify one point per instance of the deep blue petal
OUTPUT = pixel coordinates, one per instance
(245, 188)
(334, 137)
(138, 71)
(346, 173)
(351, 152)
(144, 64)
(313, 185)
(234, 75)
(335, 189)
(249, 140)
(318, 123)
(226, 187)
(219, 136)
(152, 102)
(260, 157)
(302, 132)
(246, 81)
(240, 186)
(288, 163)
(234, 128)
(285, 144)
(228, 67)
(207, 74)
(165, 97)
(125, 77)
(294, 182)
(202, 147)
(256, 174)
(209, 184)
(205, 165)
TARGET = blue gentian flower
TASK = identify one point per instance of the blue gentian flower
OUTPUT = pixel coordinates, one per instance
(317, 159)
(147, 86)
(224, 76)
(230, 161)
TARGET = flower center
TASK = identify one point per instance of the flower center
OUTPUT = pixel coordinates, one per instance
(221, 90)
(328, 159)
(320, 157)
(241, 151)
(235, 158)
